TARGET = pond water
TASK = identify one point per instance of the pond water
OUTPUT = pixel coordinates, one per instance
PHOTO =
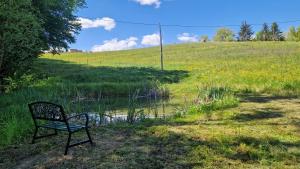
(96, 119)
(108, 111)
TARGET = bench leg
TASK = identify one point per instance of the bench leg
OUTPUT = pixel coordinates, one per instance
(38, 137)
(75, 144)
(89, 136)
(68, 144)
(35, 133)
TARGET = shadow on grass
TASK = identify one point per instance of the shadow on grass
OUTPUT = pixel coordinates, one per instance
(169, 149)
(264, 99)
(77, 73)
(259, 115)
(82, 82)
(115, 84)
(160, 148)
(155, 146)
(65, 82)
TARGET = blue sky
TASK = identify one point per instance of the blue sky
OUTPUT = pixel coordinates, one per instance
(102, 31)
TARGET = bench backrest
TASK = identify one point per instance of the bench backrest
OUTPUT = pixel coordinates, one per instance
(47, 111)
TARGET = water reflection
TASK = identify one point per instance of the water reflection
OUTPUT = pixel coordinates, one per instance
(96, 119)
(112, 110)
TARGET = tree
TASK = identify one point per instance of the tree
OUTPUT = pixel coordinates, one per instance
(265, 33)
(19, 36)
(204, 38)
(29, 27)
(224, 34)
(293, 34)
(276, 34)
(246, 32)
(58, 21)
(258, 36)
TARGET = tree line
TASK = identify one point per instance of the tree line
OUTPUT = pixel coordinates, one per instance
(267, 33)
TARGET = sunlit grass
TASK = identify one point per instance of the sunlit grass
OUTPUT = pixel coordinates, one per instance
(270, 67)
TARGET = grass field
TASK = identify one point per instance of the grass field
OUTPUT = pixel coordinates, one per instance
(238, 102)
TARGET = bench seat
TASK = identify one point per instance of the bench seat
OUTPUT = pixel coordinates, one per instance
(62, 126)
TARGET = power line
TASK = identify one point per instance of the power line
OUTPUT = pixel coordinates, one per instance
(198, 26)
(136, 23)
(218, 26)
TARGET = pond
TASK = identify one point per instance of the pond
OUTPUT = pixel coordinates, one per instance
(114, 110)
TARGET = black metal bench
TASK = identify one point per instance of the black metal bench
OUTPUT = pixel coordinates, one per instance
(52, 116)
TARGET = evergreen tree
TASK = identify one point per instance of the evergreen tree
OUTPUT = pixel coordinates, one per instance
(246, 32)
(276, 34)
(265, 33)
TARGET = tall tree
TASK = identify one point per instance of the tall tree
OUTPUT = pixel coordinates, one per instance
(224, 35)
(265, 33)
(246, 32)
(58, 21)
(29, 27)
(276, 34)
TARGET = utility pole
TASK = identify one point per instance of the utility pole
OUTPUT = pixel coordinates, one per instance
(161, 49)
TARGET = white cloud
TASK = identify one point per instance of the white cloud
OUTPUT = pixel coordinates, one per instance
(115, 44)
(105, 22)
(186, 37)
(149, 2)
(151, 40)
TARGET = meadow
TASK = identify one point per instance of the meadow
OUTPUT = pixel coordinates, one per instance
(234, 105)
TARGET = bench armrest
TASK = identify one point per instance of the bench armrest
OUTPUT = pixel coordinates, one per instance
(79, 116)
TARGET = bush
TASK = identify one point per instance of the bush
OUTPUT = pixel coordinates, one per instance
(19, 37)
(15, 82)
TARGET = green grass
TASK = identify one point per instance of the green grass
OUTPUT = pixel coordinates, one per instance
(253, 135)
(213, 98)
(258, 66)
(209, 84)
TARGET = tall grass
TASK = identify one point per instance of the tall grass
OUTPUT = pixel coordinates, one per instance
(213, 98)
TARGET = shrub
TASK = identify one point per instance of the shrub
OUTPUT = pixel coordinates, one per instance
(213, 98)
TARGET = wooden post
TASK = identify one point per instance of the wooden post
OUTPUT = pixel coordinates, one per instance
(161, 49)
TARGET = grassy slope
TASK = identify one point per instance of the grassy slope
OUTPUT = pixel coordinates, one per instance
(262, 67)
(258, 132)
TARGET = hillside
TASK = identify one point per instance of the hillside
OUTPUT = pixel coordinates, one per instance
(268, 67)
